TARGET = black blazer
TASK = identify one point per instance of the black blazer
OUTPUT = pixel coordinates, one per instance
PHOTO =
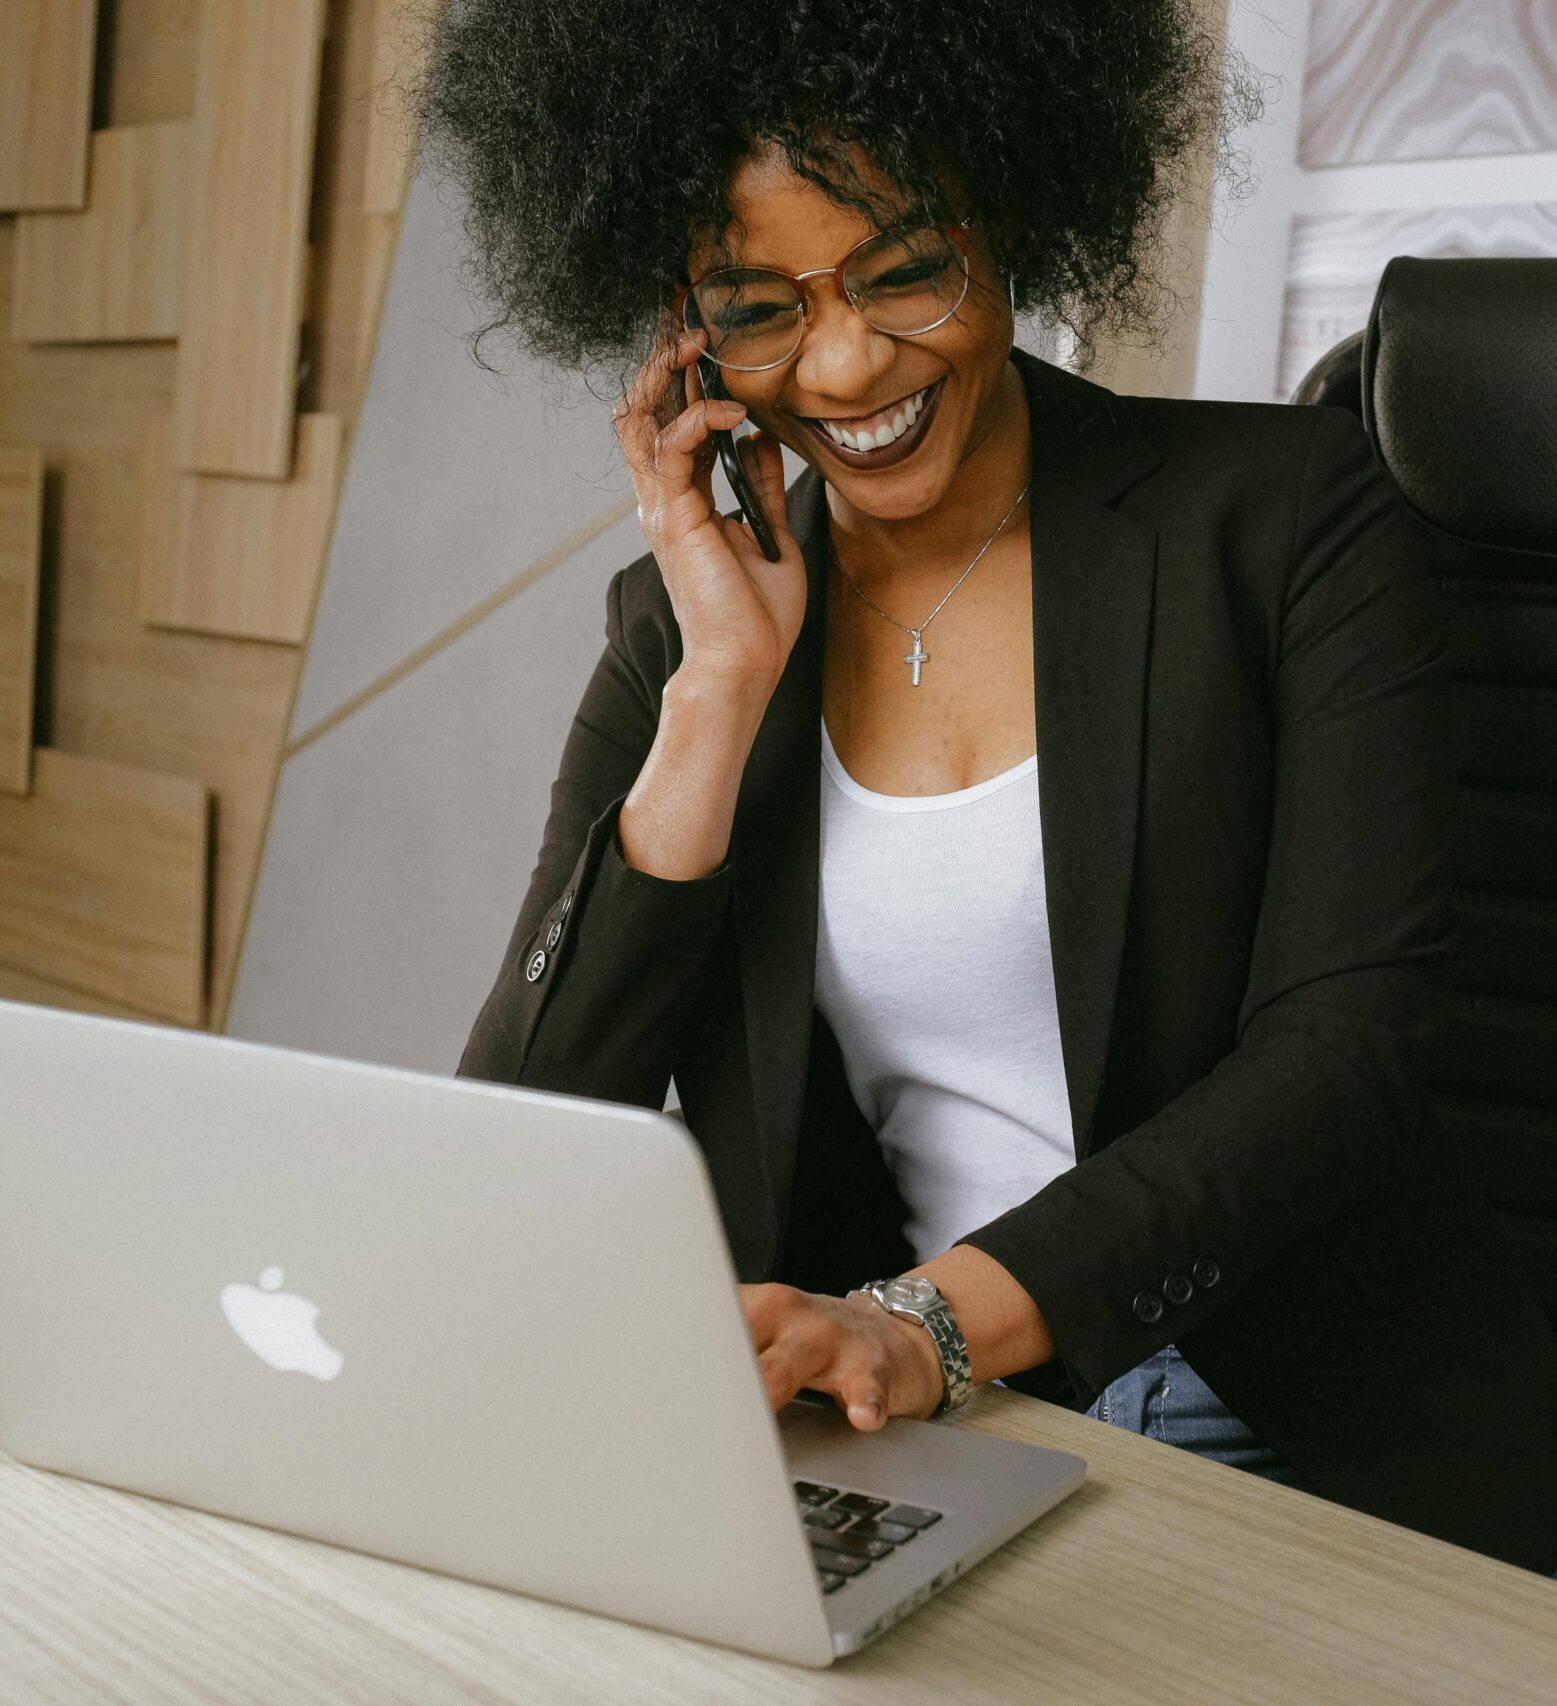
(1245, 819)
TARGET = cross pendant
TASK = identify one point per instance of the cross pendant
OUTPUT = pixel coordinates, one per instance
(918, 657)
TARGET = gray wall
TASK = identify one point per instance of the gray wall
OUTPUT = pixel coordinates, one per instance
(461, 611)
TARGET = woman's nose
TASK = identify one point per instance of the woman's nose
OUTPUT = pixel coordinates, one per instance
(840, 354)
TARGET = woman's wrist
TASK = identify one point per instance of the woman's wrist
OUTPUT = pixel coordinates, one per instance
(676, 821)
(1004, 1329)
(921, 1350)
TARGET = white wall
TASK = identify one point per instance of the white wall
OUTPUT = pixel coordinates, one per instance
(1422, 127)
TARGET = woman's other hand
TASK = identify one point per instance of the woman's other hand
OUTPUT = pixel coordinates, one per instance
(739, 614)
(872, 1363)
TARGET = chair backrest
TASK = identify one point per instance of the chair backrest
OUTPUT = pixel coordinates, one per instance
(1455, 379)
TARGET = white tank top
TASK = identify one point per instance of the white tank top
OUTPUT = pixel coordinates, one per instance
(933, 969)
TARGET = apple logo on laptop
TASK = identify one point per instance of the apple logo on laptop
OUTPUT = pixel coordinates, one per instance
(278, 1326)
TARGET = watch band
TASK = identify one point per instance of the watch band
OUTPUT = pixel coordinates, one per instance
(920, 1300)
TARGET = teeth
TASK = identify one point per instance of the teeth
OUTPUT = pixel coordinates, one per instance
(902, 420)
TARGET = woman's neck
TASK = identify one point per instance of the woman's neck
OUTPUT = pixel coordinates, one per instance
(877, 552)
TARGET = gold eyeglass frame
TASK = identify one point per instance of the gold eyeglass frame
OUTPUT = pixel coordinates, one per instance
(958, 233)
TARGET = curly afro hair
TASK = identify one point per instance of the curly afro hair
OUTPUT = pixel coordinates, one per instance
(595, 140)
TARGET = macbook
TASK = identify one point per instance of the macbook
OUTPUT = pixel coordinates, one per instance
(485, 1330)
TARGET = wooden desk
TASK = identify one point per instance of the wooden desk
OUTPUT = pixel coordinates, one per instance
(1165, 1579)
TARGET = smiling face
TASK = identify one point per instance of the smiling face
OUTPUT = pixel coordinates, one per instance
(947, 398)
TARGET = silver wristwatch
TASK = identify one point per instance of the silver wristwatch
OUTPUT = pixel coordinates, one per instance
(920, 1300)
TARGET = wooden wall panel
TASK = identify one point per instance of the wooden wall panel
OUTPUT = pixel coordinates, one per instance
(222, 555)
(44, 992)
(114, 270)
(214, 709)
(146, 58)
(251, 161)
(388, 163)
(21, 528)
(103, 883)
(47, 51)
(154, 698)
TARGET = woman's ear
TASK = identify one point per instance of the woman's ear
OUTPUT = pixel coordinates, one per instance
(998, 251)
(999, 236)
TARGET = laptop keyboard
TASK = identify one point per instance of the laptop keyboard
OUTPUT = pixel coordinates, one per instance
(851, 1531)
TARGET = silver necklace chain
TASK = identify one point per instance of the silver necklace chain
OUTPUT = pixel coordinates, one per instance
(919, 657)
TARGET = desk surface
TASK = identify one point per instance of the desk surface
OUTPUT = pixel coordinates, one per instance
(1165, 1578)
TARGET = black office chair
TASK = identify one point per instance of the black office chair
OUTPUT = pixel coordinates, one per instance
(1455, 379)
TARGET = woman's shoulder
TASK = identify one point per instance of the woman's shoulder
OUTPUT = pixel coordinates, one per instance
(1199, 431)
(1208, 451)
(1245, 431)
(1077, 398)
(1294, 463)
(1267, 493)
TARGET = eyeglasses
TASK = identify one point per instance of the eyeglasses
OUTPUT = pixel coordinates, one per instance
(902, 282)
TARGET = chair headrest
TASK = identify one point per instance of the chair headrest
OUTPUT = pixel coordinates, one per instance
(1335, 380)
(1459, 393)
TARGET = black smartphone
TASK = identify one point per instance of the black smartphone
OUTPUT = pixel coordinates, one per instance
(713, 386)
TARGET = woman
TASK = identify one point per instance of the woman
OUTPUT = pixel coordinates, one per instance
(1035, 878)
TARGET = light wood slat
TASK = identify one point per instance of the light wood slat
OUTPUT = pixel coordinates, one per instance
(147, 62)
(251, 163)
(153, 697)
(1165, 1578)
(43, 992)
(113, 272)
(21, 532)
(220, 555)
(158, 697)
(103, 882)
(391, 141)
(47, 49)
(378, 236)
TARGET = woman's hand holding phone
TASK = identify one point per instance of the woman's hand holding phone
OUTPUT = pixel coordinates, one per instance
(739, 614)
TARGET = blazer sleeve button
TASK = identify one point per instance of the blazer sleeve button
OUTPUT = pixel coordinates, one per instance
(1206, 1271)
(1178, 1288)
(554, 935)
(537, 965)
(1148, 1306)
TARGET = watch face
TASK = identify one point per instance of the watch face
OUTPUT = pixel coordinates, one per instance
(918, 1291)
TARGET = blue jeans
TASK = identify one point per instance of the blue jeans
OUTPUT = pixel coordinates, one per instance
(1165, 1399)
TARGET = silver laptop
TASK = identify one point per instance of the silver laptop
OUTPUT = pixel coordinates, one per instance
(489, 1331)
